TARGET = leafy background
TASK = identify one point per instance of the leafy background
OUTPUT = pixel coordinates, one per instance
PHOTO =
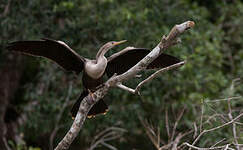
(213, 51)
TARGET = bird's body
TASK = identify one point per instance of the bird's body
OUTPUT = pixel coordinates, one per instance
(93, 70)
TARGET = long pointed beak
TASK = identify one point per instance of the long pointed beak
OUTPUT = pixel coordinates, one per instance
(120, 42)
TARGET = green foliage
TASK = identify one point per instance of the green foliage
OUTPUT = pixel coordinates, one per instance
(213, 50)
(22, 146)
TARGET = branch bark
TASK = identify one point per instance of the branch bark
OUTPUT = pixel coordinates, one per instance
(90, 100)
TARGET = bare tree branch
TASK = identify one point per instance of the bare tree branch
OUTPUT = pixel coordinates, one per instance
(121, 86)
(213, 117)
(231, 118)
(201, 118)
(195, 130)
(176, 123)
(108, 134)
(218, 142)
(136, 91)
(167, 123)
(90, 100)
(172, 143)
(210, 148)
(152, 136)
(176, 142)
(215, 128)
(157, 73)
(224, 99)
(108, 146)
(226, 147)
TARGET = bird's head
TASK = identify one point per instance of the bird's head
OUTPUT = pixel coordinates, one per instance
(108, 46)
(112, 44)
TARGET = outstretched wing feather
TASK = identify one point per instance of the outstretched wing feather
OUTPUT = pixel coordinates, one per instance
(123, 62)
(57, 51)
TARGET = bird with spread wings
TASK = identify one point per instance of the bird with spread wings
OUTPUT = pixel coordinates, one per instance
(93, 70)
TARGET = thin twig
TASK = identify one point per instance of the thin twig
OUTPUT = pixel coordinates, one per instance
(120, 85)
(176, 141)
(6, 143)
(210, 148)
(239, 123)
(214, 117)
(167, 146)
(226, 147)
(108, 134)
(221, 115)
(195, 130)
(201, 118)
(109, 146)
(218, 142)
(218, 127)
(223, 99)
(176, 123)
(158, 136)
(167, 123)
(231, 118)
(150, 133)
(108, 130)
(157, 73)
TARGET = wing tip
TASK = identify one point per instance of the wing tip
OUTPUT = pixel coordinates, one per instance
(46, 39)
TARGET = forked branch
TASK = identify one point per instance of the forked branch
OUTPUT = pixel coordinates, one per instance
(89, 101)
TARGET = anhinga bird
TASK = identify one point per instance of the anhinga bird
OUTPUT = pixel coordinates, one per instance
(93, 70)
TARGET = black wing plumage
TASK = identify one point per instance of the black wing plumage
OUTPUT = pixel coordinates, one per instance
(57, 51)
(126, 60)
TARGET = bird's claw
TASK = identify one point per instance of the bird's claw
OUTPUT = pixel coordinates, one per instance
(91, 97)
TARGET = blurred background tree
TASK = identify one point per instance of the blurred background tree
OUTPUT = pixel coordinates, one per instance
(37, 89)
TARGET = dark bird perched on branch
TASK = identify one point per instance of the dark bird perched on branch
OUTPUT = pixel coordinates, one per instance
(93, 70)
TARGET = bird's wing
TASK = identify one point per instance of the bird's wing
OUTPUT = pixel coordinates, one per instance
(120, 63)
(57, 51)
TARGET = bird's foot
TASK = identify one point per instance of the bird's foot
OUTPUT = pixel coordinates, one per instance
(91, 97)
(90, 116)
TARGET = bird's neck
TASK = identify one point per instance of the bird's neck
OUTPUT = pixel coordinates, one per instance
(101, 52)
(96, 68)
(101, 59)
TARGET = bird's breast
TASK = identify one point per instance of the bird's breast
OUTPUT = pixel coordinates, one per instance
(95, 70)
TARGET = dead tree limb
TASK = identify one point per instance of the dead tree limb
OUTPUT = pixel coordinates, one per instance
(90, 100)
(157, 73)
(231, 118)
(215, 128)
(106, 135)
